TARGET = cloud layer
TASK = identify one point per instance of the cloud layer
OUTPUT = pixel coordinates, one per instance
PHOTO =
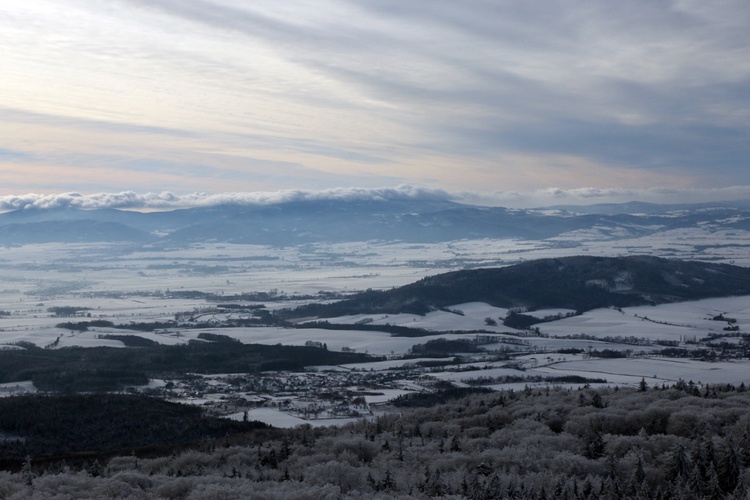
(167, 200)
(482, 95)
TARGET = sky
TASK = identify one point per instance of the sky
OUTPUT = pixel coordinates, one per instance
(512, 103)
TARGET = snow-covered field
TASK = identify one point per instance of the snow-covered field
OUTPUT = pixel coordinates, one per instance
(125, 285)
(281, 419)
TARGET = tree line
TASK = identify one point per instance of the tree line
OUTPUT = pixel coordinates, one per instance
(85, 369)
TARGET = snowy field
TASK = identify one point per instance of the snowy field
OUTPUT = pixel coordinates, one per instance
(123, 284)
(281, 419)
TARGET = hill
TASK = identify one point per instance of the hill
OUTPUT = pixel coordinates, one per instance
(580, 283)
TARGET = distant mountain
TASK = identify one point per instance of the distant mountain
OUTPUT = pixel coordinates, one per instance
(70, 231)
(640, 207)
(578, 283)
(294, 223)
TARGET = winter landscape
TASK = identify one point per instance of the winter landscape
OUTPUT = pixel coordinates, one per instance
(487, 249)
(187, 289)
(74, 309)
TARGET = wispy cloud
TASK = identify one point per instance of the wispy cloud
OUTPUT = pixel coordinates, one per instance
(456, 95)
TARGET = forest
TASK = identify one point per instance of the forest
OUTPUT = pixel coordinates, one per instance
(685, 441)
(75, 426)
(578, 283)
(77, 369)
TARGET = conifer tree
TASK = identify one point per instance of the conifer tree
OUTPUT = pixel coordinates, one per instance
(593, 444)
(713, 485)
(637, 484)
(729, 466)
(740, 491)
(696, 482)
(745, 444)
(678, 464)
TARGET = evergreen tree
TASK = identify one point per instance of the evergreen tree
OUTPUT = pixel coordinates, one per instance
(542, 494)
(696, 482)
(27, 472)
(597, 401)
(740, 491)
(436, 488)
(702, 457)
(593, 444)
(587, 488)
(613, 487)
(713, 485)
(454, 444)
(387, 483)
(637, 483)
(729, 466)
(678, 464)
(745, 444)
(559, 490)
(610, 489)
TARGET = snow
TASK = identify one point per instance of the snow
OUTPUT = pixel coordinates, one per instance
(126, 285)
(675, 322)
(14, 388)
(661, 370)
(468, 316)
(283, 420)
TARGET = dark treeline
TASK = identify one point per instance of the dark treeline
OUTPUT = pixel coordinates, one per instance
(442, 395)
(445, 347)
(67, 310)
(75, 369)
(529, 379)
(394, 330)
(82, 326)
(367, 302)
(687, 441)
(131, 340)
(69, 426)
(522, 321)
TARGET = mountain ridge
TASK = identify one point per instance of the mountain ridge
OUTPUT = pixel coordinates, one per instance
(301, 222)
(579, 283)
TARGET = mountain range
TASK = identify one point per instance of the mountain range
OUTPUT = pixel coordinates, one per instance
(302, 222)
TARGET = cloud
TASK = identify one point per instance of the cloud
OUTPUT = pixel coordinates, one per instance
(11, 155)
(377, 93)
(592, 195)
(168, 200)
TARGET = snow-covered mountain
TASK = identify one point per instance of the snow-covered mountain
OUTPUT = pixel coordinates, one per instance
(340, 220)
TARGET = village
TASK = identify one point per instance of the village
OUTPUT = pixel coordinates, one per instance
(320, 396)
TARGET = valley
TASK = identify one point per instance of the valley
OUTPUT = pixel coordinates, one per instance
(468, 351)
(181, 289)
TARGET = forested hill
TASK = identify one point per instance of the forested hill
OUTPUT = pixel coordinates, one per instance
(579, 283)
